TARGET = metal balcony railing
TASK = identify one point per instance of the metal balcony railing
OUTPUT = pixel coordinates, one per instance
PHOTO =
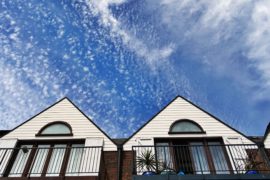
(200, 159)
(46, 161)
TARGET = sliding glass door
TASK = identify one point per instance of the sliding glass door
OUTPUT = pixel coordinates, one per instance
(56, 160)
(219, 158)
(75, 160)
(164, 156)
(200, 161)
(48, 160)
(194, 156)
(183, 158)
(20, 162)
(39, 160)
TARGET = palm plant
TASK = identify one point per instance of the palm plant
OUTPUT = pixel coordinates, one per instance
(147, 160)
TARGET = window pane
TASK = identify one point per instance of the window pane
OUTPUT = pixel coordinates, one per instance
(75, 159)
(185, 127)
(40, 158)
(183, 159)
(56, 129)
(56, 160)
(21, 159)
(199, 158)
(218, 157)
(164, 156)
(4, 157)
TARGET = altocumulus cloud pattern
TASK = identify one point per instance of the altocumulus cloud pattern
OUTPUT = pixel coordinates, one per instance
(122, 61)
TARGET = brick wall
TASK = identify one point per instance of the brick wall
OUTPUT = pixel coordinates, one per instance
(258, 160)
(109, 166)
(126, 165)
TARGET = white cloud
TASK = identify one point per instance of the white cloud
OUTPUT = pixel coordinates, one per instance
(219, 30)
(25, 81)
(17, 99)
(152, 56)
(212, 31)
(206, 24)
(258, 38)
(229, 38)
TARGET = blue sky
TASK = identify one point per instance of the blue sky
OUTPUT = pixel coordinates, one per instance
(121, 61)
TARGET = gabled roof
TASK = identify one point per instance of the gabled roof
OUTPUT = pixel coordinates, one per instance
(65, 98)
(196, 107)
(257, 139)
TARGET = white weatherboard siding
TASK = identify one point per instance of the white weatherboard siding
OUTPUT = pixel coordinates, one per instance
(62, 111)
(159, 126)
(267, 141)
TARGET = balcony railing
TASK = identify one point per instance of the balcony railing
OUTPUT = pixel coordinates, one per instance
(200, 159)
(46, 161)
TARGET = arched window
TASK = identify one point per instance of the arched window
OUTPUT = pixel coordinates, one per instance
(58, 128)
(186, 126)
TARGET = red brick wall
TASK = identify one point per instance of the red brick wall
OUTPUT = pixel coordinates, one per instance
(126, 165)
(109, 165)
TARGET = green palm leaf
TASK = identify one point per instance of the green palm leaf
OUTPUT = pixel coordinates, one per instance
(146, 160)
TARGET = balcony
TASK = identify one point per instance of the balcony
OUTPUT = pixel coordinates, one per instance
(47, 162)
(198, 160)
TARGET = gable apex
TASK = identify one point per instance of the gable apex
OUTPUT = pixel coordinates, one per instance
(182, 108)
(216, 118)
(63, 110)
(62, 99)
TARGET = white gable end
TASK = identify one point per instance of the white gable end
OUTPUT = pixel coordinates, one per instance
(65, 111)
(159, 126)
(267, 141)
